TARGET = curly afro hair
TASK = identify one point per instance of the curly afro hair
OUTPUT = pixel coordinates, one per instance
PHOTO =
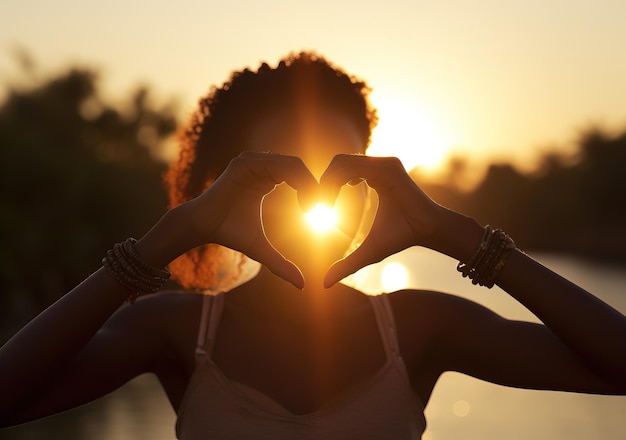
(219, 130)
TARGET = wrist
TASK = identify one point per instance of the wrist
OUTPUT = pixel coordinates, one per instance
(169, 238)
(457, 235)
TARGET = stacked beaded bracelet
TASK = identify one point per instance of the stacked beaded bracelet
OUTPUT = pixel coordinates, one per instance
(126, 266)
(489, 259)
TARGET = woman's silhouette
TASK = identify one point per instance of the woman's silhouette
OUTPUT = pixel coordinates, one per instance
(289, 352)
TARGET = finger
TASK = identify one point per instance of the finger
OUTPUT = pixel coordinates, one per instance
(382, 241)
(288, 169)
(298, 176)
(251, 172)
(386, 175)
(353, 169)
(348, 265)
(330, 184)
(266, 254)
(288, 272)
(348, 168)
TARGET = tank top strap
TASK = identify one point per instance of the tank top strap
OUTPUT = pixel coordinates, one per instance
(212, 306)
(386, 324)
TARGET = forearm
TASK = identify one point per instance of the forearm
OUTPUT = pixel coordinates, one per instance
(589, 327)
(54, 337)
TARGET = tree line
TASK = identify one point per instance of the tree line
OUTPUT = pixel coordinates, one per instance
(564, 206)
(76, 175)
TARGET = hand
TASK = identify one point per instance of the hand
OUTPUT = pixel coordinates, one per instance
(229, 211)
(406, 216)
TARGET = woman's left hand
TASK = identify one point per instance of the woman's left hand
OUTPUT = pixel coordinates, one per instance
(406, 216)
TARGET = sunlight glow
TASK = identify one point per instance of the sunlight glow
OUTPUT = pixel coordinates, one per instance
(321, 218)
(395, 276)
(408, 133)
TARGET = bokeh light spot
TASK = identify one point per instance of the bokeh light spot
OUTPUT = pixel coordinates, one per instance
(461, 408)
(394, 276)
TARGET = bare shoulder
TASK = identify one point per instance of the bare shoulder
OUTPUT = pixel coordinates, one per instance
(419, 308)
(168, 302)
(418, 315)
(167, 319)
(162, 310)
(421, 317)
(168, 326)
(170, 310)
(425, 318)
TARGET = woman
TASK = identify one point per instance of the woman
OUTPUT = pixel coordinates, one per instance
(289, 352)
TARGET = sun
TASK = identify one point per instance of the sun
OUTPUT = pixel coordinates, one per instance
(406, 132)
(321, 218)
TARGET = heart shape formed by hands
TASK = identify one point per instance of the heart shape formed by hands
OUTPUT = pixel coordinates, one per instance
(309, 243)
(250, 188)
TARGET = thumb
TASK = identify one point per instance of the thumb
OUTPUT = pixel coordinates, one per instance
(372, 250)
(288, 272)
(280, 266)
(361, 257)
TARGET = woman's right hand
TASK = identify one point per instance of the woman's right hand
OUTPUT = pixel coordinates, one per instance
(229, 211)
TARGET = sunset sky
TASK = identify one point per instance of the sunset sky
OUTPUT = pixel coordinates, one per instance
(488, 80)
(491, 78)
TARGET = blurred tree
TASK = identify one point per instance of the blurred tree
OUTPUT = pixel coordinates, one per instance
(599, 183)
(76, 176)
(564, 206)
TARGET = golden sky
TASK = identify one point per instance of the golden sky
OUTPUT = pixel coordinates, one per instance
(496, 78)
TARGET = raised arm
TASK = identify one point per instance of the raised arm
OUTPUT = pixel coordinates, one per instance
(40, 353)
(589, 333)
(50, 364)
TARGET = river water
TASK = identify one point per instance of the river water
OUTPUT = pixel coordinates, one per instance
(461, 407)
